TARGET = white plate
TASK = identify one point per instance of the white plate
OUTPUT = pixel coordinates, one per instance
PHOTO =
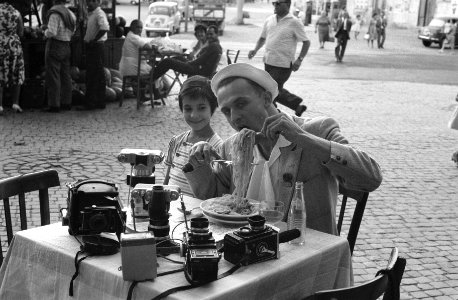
(234, 219)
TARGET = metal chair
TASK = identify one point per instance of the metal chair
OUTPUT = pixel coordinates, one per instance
(361, 200)
(234, 54)
(142, 82)
(387, 282)
(18, 186)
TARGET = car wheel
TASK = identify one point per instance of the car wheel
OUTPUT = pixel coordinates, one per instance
(426, 43)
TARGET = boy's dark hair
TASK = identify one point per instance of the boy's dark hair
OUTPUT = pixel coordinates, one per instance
(198, 87)
(215, 28)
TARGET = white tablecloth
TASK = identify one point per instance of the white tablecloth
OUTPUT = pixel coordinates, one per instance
(40, 264)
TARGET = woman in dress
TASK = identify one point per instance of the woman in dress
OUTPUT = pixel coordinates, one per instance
(357, 26)
(372, 30)
(11, 56)
(323, 25)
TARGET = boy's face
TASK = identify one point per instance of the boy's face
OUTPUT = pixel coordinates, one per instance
(196, 112)
(92, 4)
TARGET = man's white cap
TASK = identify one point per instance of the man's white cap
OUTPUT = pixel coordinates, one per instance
(247, 71)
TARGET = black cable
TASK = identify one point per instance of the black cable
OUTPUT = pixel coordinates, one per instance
(173, 230)
(131, 289)
(171, 260)
(168, 240)
(77, 267)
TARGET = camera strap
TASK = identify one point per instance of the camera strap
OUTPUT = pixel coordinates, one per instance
(77, 267)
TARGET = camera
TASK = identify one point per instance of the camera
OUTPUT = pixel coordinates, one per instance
(158, 209)
(94, 207)
(142, 194)
(252, 244)
(143, 162)
(199, 249)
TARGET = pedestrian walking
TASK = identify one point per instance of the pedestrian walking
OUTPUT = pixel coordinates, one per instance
(323, 27)
(96, 35)
(380, 25)
(357, 26)
(12, 70)
(449, 36)
(453, 124)
(342, 35)
(281, 33)
(372, 30)
(61, 25)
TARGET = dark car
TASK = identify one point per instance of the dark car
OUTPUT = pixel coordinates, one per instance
(434, 32)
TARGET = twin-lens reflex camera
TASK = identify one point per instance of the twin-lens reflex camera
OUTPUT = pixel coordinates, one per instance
(200, 251)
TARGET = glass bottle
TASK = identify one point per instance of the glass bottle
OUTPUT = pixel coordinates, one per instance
(297, 216)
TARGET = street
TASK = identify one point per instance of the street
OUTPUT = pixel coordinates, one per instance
(393, 103)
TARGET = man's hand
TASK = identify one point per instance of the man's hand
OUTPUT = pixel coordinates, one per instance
(252, 53)
(296, 65)
(281, 124)
(201, 153)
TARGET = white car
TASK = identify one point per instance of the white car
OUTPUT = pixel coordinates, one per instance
(162, 17)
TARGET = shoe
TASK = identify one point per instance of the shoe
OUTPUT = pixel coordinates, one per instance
(300, 110)
(17, 108)
(52, 109)
(441, 51)
(66, 107)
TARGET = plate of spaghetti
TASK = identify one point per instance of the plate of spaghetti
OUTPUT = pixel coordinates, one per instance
(229, 209)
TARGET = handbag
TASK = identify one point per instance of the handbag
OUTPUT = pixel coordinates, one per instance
(331, 39)
(367, 36)
(453, 122)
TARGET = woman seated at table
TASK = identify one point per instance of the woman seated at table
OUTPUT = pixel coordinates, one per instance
(129, 61)
(200, 32)
(204, 64)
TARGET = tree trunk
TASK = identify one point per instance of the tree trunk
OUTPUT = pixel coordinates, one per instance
(239, 20)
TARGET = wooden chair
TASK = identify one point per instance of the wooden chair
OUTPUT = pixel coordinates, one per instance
(387, 282)
(18, 186)
(142, 82)
(361, 200)
(234, 54)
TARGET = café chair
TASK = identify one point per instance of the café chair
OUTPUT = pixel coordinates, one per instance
(143, 83)
(17, 186)
(387, 282)
(361, 200)
(232, 56)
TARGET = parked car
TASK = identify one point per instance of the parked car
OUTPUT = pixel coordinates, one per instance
(434, 32)
(182, 8)
(162, 17)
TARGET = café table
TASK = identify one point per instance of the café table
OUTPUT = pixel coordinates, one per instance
(39, 264)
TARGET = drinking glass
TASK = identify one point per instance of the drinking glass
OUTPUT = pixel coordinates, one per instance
(272, 212)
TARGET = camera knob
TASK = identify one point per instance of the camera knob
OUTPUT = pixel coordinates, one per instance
(122, 158)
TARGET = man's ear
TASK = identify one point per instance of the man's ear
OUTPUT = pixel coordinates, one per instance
(267, 98)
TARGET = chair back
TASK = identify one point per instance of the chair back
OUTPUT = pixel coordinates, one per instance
(145, 82)
(232, 56)
(387, 282)
(361, 200)
(18, 186)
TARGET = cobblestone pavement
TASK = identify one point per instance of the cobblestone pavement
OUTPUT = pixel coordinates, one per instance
(400, 118)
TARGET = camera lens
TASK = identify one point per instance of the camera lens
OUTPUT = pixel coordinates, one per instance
(257, 222)
(98, 222)
(157, 207)
(199, 223)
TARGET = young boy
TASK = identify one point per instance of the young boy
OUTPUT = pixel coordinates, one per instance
(198, 103)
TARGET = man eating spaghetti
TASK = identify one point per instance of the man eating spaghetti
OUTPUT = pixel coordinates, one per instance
(273, 150)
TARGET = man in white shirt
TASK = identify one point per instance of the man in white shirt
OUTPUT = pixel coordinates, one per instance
(281, 33)
(308, 150)
(129, 60)
(96, 35)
